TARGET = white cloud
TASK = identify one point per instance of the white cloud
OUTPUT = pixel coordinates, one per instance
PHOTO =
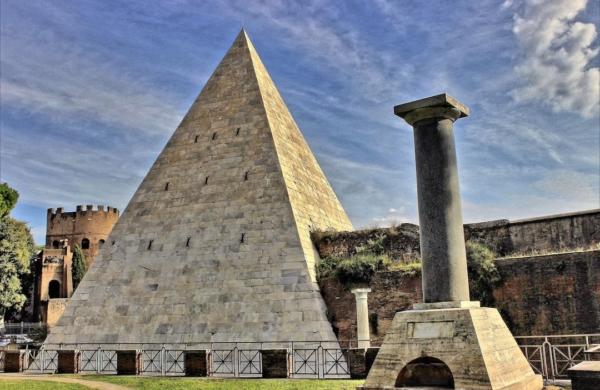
(558, 52)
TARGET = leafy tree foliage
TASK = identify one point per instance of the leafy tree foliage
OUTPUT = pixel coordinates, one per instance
(79, 267)
(8, 199)
(16, 250)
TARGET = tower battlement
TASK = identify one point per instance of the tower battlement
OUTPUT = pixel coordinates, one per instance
(81, 209)
(88, 226)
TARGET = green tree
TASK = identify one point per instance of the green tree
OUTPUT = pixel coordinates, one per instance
(79, 267)
(16, 250)
(8, 199)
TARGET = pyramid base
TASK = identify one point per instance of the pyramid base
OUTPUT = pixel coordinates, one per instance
(460, 347)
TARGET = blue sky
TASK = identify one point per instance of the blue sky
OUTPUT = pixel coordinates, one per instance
(91, 91)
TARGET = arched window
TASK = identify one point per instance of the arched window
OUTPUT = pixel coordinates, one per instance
(55, 244)
(54, 289)
(100, 243)
(85, 244)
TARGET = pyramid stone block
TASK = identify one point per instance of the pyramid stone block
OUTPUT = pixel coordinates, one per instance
(215, 243)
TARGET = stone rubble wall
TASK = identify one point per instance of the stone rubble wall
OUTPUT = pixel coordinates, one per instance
(536, 235)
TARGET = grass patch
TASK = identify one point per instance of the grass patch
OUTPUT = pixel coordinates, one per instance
(411, 269)
(180, 383)
(38, 385)
(533, 253)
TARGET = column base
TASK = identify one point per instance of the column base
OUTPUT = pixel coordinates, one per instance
(461, 348)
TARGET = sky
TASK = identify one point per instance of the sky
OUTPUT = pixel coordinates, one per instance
(90, 91)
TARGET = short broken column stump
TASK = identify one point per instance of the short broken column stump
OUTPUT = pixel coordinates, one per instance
(68, 362)
(195, 363)
(274, 363)
(355, 357)
(14, 361)
(128, 363)
(585, 375)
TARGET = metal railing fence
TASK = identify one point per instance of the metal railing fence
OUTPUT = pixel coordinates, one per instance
(306, 359)
(551, 356)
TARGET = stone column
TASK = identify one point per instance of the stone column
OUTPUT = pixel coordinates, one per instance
(362, 317)
(440, 217)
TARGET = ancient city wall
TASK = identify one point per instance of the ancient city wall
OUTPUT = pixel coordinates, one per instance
(528, 236)
(543, 234)
(401, 243)
(555, 293)
(552, 294)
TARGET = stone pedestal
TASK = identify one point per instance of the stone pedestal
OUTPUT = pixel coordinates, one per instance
(370, 357)
(585, 376)
(195, 363)
(274, 363)
(465, 348)
(68, 362)
(128, 363)
(355, 357)
(363, 334)
(13, 361)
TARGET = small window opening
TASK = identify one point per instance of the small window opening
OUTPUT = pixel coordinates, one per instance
(100, 243)
(237, 132)
(242, 239)
(54, 289)
(246, 176)
(55, 244)
(214, 136)
(206, 180)
(150, 244)
(196, 139)
(187, 242)
(113, 243)
(85, 244)
(167, 186)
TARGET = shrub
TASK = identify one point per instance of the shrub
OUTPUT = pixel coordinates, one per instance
(483, 274)
(360, 268)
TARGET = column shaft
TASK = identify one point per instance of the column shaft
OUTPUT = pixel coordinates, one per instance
(442, 238)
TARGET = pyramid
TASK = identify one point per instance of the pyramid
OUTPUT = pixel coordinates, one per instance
(215, 243)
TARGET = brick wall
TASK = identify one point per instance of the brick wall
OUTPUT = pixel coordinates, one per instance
(390, 292)
(556, 294)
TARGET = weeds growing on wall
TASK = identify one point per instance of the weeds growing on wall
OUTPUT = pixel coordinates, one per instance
(483, 274)
(360, 268)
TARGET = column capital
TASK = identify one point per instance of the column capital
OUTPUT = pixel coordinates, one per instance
(441, 106)
(360, 292)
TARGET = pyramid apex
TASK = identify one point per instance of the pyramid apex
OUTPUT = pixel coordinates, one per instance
(243, 37)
